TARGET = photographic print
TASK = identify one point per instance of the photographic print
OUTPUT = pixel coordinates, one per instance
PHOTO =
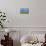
(24, 10)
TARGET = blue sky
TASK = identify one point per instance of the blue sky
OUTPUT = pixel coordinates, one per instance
(24, 9)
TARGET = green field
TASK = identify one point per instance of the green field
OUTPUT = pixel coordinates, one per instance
(24, 12)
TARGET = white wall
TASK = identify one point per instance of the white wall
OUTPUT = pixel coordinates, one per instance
(36, 18)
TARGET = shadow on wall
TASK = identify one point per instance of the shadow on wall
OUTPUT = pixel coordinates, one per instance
(16, 43)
